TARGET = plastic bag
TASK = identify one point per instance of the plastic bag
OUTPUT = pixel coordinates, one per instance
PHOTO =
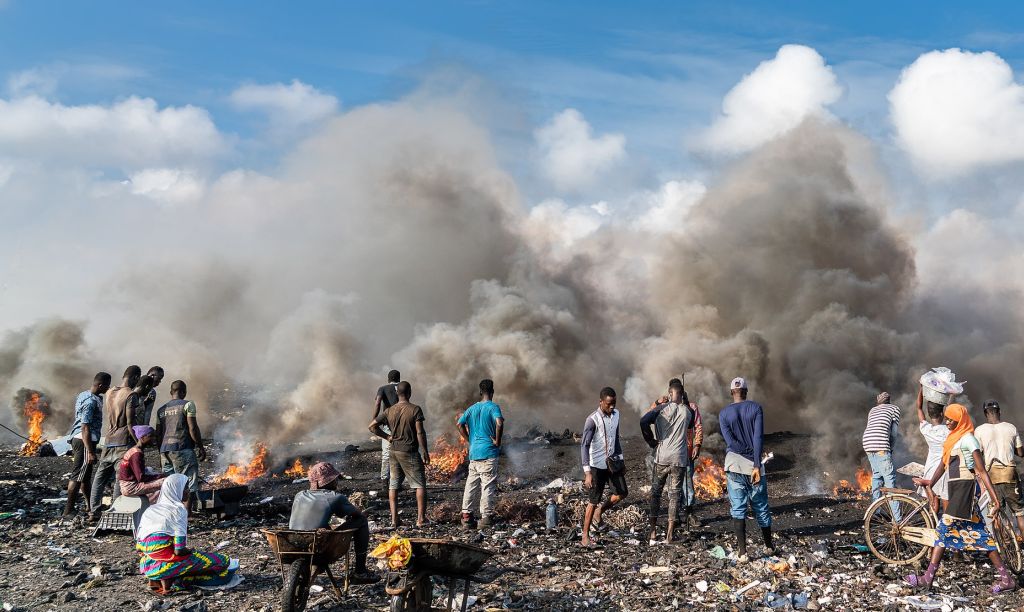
(397, 551)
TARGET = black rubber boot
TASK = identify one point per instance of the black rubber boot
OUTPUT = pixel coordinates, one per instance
(739, 527)
(766, 532)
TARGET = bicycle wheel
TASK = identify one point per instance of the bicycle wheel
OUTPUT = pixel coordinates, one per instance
(884, 533)
(1006, 540)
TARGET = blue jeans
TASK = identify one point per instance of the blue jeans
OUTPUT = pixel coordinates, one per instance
(883, 474)
(742, 491)
(688, 496)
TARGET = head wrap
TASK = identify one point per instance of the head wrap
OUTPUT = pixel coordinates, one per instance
(321, 475)
(964, 425)
(883, 398)
(168, 515)
(142, 430)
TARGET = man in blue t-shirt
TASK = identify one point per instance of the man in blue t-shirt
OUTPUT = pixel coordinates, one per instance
(481, 425)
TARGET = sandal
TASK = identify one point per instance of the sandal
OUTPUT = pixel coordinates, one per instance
(158, 588)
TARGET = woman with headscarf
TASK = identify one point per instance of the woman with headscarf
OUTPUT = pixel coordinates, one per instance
(958, 530)
(131, 472)
(163, 538)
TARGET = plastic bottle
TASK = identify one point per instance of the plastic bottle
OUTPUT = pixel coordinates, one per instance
(552, 514)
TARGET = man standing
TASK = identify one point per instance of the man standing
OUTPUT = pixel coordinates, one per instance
(742, 427)
(671, 421)
(408, 439)
(312, 509)
(181, 442)
(387, 396)
(1001, 445)
(84, 434)
(147, 417)
(602, 461)
(883, 422)
(121, 405)
(482, 424)
(694, 440)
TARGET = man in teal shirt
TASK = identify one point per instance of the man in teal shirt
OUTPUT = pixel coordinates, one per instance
(481, 425)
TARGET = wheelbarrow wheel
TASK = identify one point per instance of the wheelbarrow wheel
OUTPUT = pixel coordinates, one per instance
(296, 587)
(417, 597)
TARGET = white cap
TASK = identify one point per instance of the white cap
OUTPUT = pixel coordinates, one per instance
(738, 383)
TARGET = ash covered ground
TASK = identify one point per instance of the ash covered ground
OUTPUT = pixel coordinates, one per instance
(46, 565)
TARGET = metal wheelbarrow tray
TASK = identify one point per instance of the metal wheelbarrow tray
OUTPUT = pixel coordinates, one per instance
(412, 588)
(307, 553)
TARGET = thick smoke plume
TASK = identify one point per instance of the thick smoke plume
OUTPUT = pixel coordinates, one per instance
(394, 238)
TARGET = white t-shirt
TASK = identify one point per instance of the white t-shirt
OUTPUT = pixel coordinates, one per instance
(998, 442)
(935, 436)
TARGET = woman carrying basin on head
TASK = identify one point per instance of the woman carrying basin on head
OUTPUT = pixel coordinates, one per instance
(962, 459)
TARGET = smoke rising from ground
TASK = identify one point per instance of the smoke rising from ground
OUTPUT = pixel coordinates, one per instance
(394, 238)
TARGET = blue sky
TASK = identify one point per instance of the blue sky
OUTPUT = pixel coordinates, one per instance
(636, 68)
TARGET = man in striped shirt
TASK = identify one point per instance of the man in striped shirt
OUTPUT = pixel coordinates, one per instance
(883, 422)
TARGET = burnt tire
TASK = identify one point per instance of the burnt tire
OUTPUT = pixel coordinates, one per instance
(296, 587)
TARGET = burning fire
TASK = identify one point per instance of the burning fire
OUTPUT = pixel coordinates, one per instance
(445, 459)
(256, 468)
(35, 415)
(862, 488)
(708, 479)
(297, 470)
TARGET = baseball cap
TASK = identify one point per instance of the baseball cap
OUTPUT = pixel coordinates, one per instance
(738, 383)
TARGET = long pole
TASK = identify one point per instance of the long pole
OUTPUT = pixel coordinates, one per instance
(14, 432)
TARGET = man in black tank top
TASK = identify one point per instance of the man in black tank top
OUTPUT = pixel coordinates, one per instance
(387, 396)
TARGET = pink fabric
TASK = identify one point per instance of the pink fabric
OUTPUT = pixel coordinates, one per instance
(150, 490)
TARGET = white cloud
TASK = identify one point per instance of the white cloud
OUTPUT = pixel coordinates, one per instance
(773, 99)
(572, 157)
(955, 111)
(32, 81)
(665, 210)
(169, 185)
(286, 105)
(133, 133)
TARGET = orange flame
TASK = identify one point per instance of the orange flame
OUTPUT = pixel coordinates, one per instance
(445, 459)
(297, 470)
(861, 487)
(245, 474)
(35, 417)
(708, 479)
(863, 480)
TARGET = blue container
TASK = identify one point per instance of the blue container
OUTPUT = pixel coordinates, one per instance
(552, 514)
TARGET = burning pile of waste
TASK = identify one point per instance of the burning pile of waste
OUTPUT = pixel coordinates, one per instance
(35, 407)
(447, 461)
(858, 488)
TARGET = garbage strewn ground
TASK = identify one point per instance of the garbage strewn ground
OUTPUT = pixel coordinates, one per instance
(821, 562)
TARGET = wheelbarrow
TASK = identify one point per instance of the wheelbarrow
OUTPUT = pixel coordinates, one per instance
(302, 555)
(412, 588)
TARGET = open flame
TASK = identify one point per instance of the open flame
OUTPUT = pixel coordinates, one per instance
(297, 470)
(859, 487)
(239, 474)
(446, 459)
(34, 416)
(708, 479)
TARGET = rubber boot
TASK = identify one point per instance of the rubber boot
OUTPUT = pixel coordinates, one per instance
(924, 580)
(739, 527)
(766, 533)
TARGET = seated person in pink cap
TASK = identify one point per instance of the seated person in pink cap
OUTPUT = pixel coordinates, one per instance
(131, 472)
(313, 509)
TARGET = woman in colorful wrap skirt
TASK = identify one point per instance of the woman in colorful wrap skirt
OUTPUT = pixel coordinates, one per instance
(957, 530)
(163, 539)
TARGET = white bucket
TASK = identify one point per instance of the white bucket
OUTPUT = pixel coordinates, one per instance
(936, 396)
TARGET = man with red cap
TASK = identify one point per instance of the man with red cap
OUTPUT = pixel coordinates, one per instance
(313, 509)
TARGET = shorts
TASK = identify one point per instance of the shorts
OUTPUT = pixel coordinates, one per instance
(183, 462)
(601, 479)
(406, 465)
(1009, 496)
(80, 470)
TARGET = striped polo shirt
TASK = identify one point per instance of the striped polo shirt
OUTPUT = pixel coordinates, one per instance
(882, 423)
